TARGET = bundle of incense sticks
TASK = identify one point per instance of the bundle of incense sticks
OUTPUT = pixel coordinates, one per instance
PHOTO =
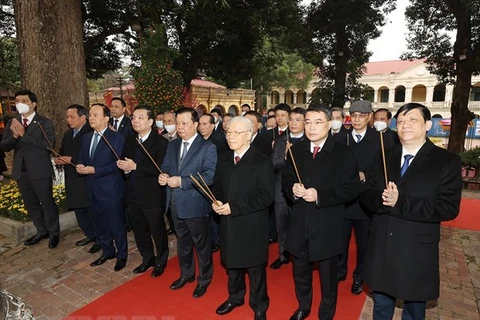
(149, 156)
(51, 147)
(108, 144)
(204, 188)
(294, 165)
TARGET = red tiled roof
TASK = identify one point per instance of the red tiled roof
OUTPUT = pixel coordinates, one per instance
(206, 83)
(387, 67)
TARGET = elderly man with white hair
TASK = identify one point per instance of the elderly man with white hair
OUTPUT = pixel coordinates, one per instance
(244, 187)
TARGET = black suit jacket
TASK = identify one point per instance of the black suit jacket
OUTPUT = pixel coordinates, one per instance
(150, 193)
(334, 174)
(75, 184)
(124, 127)
(263, 144)
(32, 148)
(402, 257)
(248, 187)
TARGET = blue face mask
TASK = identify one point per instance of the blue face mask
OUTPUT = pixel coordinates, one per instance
(159, 124)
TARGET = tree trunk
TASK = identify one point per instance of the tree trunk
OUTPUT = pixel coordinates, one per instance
(52, 60)
(341, 57)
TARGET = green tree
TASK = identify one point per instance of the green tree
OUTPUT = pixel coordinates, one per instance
(157, 84)
(429, 22)
(340, 31)
(9, 62)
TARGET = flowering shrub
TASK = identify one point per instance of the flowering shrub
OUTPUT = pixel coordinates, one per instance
(11, 202)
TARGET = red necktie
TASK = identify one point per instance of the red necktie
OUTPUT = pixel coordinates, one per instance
(280, 132)
(25, 122)
(237, 159)
(315, 151)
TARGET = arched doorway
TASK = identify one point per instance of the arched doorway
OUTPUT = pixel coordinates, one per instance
(419, 93)
(289, 97)
(439, 92)
(219, 106)
(400, 94)
(382, 94)
(301, 97)
(275, 98)
(233, 109)
(475, 92)
(315, 96)
(201, 109)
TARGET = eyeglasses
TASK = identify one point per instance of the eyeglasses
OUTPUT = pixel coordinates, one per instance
(234, 133)
(138, 118)
(359, 115)
(316, 123)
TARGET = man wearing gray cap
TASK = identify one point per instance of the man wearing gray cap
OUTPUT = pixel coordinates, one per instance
(365, 142)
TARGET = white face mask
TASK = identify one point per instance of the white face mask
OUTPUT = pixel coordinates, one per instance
(170, 128)
(380, 125)
(243, 113)
(336, 124)
(159, 124)
(22, 108)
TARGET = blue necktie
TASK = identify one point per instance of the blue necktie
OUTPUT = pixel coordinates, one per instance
(359, 137)
(184, 152)
(94, 144)
(75, 132)
(406, 163)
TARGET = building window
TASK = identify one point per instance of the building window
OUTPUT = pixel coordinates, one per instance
(384, 95)
(400, 94)
(439, 93)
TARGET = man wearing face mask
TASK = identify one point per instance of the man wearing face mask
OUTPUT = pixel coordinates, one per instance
(337, 130)
(169, 125)
(159, 124)
(383, 118)
(32, 167)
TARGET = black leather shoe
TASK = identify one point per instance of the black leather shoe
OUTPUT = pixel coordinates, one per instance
(158, 271)
(200, 290)
(260, 315)
(357, 288)
(215, 247)
(341, 278)
(35, 239)
(278, 263)
(120, 264)
(226, 307)
(84, 242)
(170, 231)
(177, 284)
(95, 248)
(300, 315)
(144, 266)
(53, 242)
(101, 260)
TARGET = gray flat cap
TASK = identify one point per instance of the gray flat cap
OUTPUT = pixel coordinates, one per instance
(362, 106)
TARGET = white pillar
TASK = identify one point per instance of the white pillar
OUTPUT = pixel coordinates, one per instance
(429, 97)
(408, 94)
(375, 96)
(294, 98)
(391, 98)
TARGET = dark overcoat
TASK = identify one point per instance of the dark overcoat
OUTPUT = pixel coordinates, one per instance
(402, 256)
(334, 174)
(249, 189)
(75, 184)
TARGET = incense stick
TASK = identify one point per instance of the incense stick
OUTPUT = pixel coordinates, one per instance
(383, 158)
(201, 188)
(295, 165)
(108, 144)
(44, 134)
(60, 156)
(206, 186)
(149, 156)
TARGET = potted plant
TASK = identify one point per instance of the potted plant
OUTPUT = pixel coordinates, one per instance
(471, 160)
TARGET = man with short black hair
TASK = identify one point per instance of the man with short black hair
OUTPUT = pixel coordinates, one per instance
(383, 118)
(119, 121)
(245, 108)
(32, 137)
(259, 140)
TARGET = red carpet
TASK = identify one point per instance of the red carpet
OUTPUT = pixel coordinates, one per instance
(144, 298)
(468, 218)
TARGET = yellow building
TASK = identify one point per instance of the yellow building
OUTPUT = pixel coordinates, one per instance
(392, 84)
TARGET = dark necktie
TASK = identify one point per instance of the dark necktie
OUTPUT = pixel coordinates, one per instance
(315, 151)
(94, 144)
(237, 159)
(75, 132)
(359, 137)
(184, 152)
(116, 125)
(280, 132)
(25, 122)
(406, 163)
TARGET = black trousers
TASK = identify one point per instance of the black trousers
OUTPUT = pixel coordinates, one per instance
(361, 228)
(302, 276)
(194, 232)
(259, 300)
(85, 222)
(148, 224)
(38, 199)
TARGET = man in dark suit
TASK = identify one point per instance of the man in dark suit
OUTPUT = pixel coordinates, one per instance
(329, 179)
(383, 118)
(243, 185)
(261, 142)
(365, 143)
(206, 128)
(217, 114)
(119, 121)
(424, 189)
(32, 167)
(105, 184)
(189, 155)
(75, 184)
(338, 131)
(144, 196)
(282, 210)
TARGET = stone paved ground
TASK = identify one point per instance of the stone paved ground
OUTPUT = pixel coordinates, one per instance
(57, 282)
